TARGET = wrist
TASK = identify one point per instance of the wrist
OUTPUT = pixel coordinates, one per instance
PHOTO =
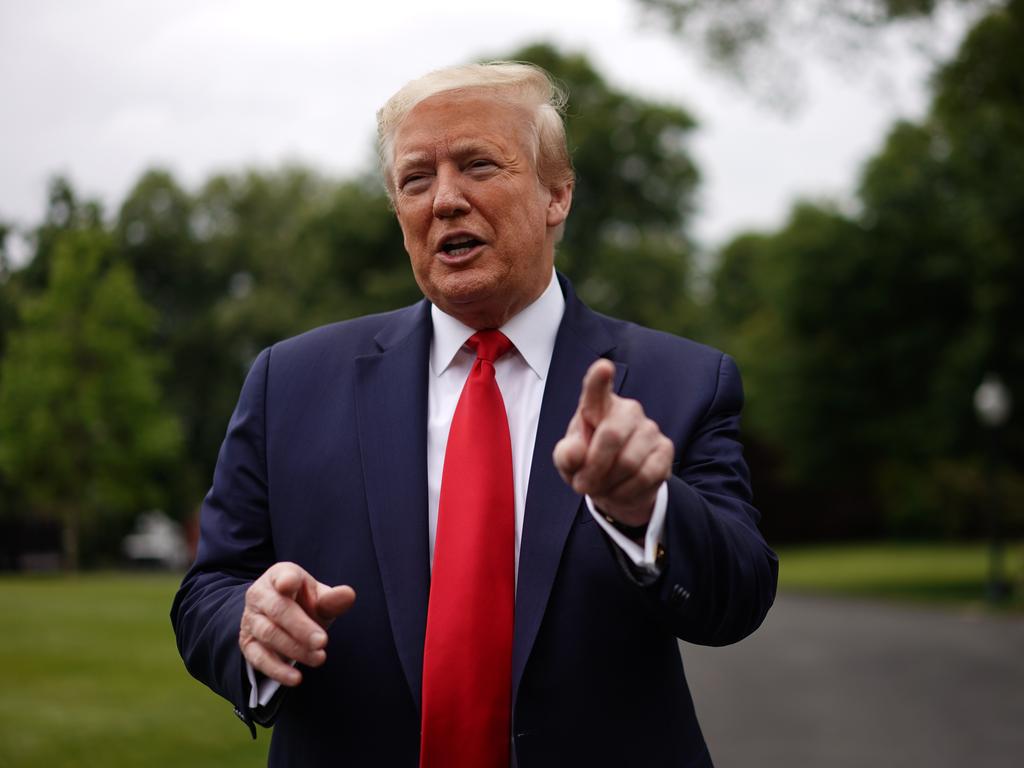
(631, 520)
(635, 533)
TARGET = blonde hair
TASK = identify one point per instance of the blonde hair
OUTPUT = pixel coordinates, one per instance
(521, 83)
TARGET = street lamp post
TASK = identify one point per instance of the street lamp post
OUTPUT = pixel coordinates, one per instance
(993, 404)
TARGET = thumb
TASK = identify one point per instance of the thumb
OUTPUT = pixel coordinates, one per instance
(331, 602)
(596, 394)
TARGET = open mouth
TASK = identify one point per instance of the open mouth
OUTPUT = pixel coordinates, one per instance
(459, 246)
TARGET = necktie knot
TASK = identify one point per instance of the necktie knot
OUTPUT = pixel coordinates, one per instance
(489, 345)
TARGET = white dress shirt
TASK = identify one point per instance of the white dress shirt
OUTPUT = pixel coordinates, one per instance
(521, 375)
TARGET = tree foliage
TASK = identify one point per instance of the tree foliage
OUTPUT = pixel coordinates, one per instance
(247, 260)
(83, 431)
(865, 335)
(765, 43)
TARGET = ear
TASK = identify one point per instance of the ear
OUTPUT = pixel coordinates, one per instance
(559, 204)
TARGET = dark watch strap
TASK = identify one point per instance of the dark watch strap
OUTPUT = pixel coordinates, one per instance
(634, 532)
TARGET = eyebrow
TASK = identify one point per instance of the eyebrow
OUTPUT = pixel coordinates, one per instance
(461, 147)
(457, 148)
(412, 159)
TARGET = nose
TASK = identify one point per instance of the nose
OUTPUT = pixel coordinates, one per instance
(449, 197)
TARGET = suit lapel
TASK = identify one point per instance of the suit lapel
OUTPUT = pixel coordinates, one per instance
(391, 399)
(551, 505)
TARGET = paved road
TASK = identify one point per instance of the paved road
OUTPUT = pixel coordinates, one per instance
(834, 683)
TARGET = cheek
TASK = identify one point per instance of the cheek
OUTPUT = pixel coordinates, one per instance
(413, 232)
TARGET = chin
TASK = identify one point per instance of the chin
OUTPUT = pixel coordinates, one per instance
(465, 288)
(474, 309)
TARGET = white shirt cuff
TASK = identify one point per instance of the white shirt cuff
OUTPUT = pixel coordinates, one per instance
(261, 688)
(642, 557)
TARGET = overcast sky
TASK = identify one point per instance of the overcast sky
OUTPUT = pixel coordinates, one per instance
(102, 89)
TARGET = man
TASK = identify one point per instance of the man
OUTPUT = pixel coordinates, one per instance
(530, 518)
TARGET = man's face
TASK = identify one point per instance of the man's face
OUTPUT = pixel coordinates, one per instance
(478, 223)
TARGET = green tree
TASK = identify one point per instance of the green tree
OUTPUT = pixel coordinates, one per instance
(251, 258)
(84, 435)
(65, 211)
(866, 335)
(7, 300)
(219, 268)
(8, 315)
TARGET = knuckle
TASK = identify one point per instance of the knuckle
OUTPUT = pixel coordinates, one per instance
(563, 452)
(633, 409)
(253, 653)
(280, 570)
(267, 631)
(612, 436)
(281, 642)
(650, 475)
(252, 592)
(629, 464)
(252, 624)
(659, 469)
(276, 608)
(667, 449)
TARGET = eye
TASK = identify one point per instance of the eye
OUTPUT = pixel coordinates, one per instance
(481, 164)
(413, 182)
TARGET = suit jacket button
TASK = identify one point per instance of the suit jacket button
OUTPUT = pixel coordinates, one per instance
(679, 594)
(247, 719)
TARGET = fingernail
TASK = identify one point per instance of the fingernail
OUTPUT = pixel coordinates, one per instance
(318, 639)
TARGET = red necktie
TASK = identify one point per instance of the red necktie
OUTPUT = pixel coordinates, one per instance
(467, 658)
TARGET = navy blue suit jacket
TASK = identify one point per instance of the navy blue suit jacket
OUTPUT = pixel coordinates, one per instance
(324, 464)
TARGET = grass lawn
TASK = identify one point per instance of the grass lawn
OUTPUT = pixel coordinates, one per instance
(91, 677)
(953, 573)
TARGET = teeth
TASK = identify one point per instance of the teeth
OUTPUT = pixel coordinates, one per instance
(460, 245)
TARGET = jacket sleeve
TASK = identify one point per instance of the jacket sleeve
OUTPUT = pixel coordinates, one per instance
(235, 547)
(718, 576)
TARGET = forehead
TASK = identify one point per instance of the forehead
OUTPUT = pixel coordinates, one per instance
(460, 120)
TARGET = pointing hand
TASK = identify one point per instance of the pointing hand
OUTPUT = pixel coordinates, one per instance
(612, 451)
(286, 613)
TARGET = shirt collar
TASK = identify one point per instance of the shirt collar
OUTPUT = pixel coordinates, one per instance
(532, 331)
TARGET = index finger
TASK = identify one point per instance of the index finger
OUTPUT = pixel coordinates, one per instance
(288, 615)
(596, 394)
(292, 595)
(293, 582)
(288, 579)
